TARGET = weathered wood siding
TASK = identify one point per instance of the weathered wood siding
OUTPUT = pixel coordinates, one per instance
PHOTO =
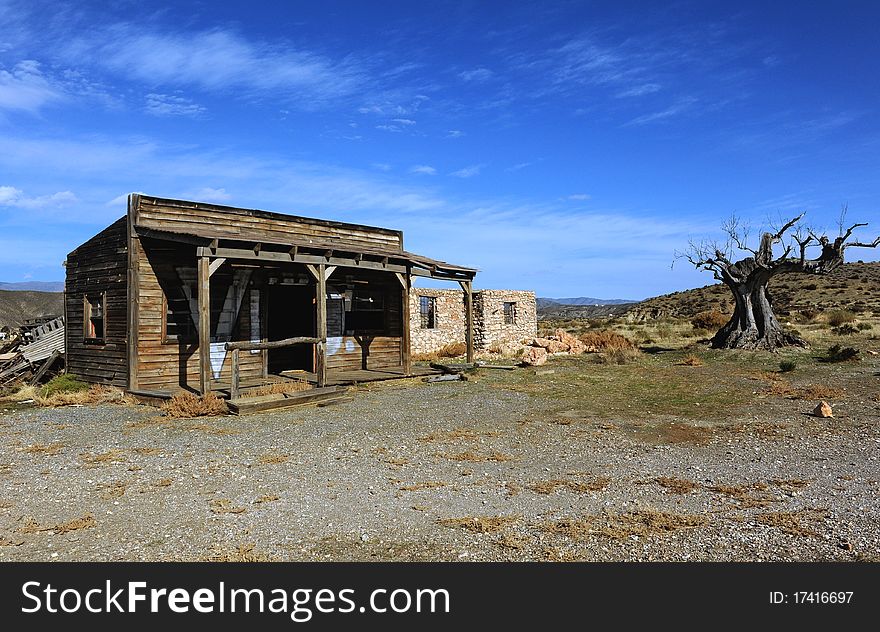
(99, 266)
(223, 222)
(174, 365)
(346, 353)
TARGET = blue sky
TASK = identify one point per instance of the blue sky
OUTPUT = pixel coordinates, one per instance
(568, 148)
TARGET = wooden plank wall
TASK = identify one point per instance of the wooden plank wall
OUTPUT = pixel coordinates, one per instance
(97, 266)
(230, 223)
(174, 365)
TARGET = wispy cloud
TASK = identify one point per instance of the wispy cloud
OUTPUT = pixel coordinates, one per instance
(171, 105)
(640, 90)
(680, 106)
(423, 170)
(518, 166)
(208, 194)
(478, 75)
(26, 88)
(380, 166)
(467, 172)
(12, 197)
(454, 133)
(579, 197)
(218, 60)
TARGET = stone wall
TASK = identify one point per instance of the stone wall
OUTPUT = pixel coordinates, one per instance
(489, 325)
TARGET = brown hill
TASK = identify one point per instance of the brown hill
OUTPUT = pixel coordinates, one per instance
(853, 286)
(16, 307)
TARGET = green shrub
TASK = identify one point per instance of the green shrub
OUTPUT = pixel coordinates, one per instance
(64, 383)
(836, 353)
(786, 366)
(838, 317)
(864, 326)
(844, 330)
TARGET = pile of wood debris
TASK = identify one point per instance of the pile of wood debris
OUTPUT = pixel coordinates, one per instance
(27, 355)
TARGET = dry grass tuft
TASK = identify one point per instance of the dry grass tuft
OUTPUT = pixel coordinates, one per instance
(267, 498)
(691, 360)
(242, 553)
(85, 522)
(677, 485)
(116, 489)
(457, 434)
(110, 456)
(507, 541)
(95, 394)
(605, 341)
(473, 457)
(598, 484)
(187, 405)
(396, 461)
(224, 506)
(745, 496)
(452, 350)
(792, 522)
(288, 386)
(643, 523)
(790, 485)
(273, 459)
(163, 482)
(42, 448)
(482, 524)
(415, 487)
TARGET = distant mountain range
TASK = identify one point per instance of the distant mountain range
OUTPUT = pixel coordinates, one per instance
(33, 286)
(583, 300)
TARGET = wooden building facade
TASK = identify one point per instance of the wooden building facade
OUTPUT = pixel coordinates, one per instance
(167, 296)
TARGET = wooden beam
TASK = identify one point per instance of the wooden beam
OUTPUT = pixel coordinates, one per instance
(257, 247)
(402, 279)
(269, 256)
(321, 325)
(313, 270)
(204, 325)
(328, 271)
(215, 265)
(405, 344)
(247, 345)
(215, 243)
(467, 287)
(292, 252)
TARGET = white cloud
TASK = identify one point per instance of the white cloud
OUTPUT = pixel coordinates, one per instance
(218, 60)
(454, 133)
(381, 166)
(12, 197)
(640, 90)
(424, 170)
(171, 105)
(467, 172)
(388, 128)
(403, 121)
(579, 197)
(26, 88)
(682, 105)
(207, 194)
(477, 74)
(518, 166)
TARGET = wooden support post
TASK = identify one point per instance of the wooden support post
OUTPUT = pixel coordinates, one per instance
(204, 325)
(236, 374)
(405, 345)
(321, 325)
(467, 286)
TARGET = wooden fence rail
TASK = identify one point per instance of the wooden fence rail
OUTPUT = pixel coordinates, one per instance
(245, 345)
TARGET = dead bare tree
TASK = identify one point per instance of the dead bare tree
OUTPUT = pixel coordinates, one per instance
(753, 324)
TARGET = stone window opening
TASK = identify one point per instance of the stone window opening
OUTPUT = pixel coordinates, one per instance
(509, 313)
(428, 312)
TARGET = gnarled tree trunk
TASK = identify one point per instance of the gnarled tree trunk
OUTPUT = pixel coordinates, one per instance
(753, 324)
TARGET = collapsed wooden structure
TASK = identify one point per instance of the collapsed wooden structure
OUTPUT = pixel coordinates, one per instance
(32, 351)
(193, 296)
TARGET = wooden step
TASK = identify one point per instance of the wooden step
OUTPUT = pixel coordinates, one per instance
(244, 405)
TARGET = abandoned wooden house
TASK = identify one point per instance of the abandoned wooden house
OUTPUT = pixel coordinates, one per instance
(185, 295)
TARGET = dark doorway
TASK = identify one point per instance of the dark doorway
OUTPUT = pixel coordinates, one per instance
(290, 313)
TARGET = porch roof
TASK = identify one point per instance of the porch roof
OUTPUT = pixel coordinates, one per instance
(313, 252)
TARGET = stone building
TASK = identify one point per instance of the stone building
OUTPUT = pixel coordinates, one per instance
(437, 318)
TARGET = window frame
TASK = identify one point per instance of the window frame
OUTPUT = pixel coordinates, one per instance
(89, 337)
(428, 320)
(509, 319)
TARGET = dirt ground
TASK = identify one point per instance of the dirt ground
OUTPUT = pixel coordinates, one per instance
(663, 458)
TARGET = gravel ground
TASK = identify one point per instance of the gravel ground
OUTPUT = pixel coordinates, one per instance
(450, 471)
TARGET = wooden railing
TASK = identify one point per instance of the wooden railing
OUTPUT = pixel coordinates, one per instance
(244, 345)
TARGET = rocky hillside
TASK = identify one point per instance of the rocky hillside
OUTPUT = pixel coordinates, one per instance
(853, 286)
(16, 307)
